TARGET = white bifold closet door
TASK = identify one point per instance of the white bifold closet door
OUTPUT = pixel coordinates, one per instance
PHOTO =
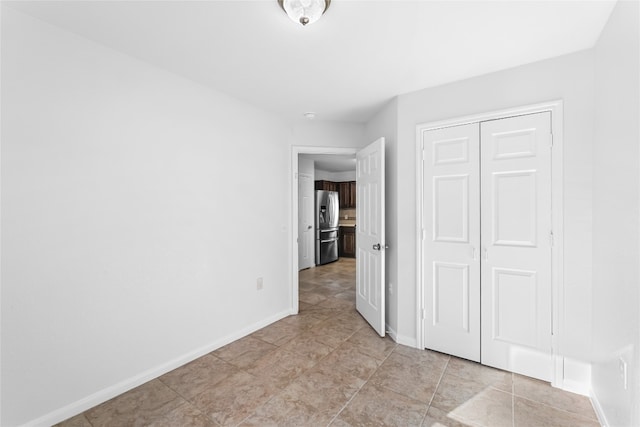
(516, 244)
(452, 242)
(488, 259)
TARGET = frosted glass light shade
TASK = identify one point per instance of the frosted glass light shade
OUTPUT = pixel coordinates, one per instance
(304, 11)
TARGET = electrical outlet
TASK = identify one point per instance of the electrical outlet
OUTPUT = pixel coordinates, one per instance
(259, 284)
(623, 371)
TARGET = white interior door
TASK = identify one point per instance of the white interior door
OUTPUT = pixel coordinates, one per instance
(370, 235)
(516, 244)
(451, 243)
(306, 243)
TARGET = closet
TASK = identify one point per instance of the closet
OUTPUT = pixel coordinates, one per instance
(487, 242)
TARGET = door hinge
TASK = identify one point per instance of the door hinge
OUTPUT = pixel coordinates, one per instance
(423, 313)
(551, 239)
(424, 234)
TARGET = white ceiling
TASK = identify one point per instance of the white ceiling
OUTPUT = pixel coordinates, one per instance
(343, 67)
(332, 162)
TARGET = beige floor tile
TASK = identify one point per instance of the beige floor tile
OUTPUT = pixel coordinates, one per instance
(377, 406)
(332, 302)
(140, 406)
(311, 297)
(373, 345)
(533, 414)
(277, 333)
(490, 408)
(343, 326)
(415, 379)
(454, 391)
(282, 366)
(281, 412)
(195, 377)
(304, 306)
(542, 392)
(308, 345)
(483, 374)
(234, 400)
(437, 418)
(304, 320)
(422, 356)
(337, 422)
(326, 390)
(185, 415)
(333, 340)
(244, 352)
(350, 359)
(346, 295)
(77, 421)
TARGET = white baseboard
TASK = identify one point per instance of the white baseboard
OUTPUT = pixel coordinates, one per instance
(598, 409)
(577, 376)
(400, 339)
(391, 332)
(408, 341)
(102, 396)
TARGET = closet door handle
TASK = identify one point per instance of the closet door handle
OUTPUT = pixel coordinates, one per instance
(473, 252)
(486, 254)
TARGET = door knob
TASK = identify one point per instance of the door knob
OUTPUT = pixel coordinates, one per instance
(376, 247)
(309, 227)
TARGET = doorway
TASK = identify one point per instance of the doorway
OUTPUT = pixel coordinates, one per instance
(296, 153)
(489, 256)
(370, 234)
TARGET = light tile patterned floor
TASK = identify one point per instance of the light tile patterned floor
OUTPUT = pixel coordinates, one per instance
(326, 366)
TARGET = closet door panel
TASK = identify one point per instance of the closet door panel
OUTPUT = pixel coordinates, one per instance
(451, 216)
(516, 250)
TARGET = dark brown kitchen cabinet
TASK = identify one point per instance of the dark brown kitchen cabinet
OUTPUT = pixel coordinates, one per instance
(347, 192)
(347, 242)
(344, 192)
(352, 194)
(326, 185)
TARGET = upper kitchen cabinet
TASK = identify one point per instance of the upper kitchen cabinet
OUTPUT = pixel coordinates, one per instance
(347, 191)
(352, 194)
(327, 186)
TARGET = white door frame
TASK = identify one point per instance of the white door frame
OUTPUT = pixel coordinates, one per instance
(557, 260)
(293, 247)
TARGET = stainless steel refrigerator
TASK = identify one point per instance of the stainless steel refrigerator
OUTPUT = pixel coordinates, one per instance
(327, 216)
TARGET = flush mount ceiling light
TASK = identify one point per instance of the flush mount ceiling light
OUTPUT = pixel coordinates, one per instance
(304, 11)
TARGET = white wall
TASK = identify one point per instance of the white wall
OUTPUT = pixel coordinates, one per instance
(318, 133)
(569, 78)
(616, 243)
(336, 176)
(385, 123)
(306, 166)
(133, 225)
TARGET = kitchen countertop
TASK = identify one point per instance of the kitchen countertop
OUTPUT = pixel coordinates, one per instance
(346, 224)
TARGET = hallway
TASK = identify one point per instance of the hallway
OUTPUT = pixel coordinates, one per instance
(326, 366)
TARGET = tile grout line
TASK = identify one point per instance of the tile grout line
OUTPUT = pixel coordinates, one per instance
(513, 401)
(446, 365)
(316, 364)
(361, 387)
(575, 414)
(189, 401)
